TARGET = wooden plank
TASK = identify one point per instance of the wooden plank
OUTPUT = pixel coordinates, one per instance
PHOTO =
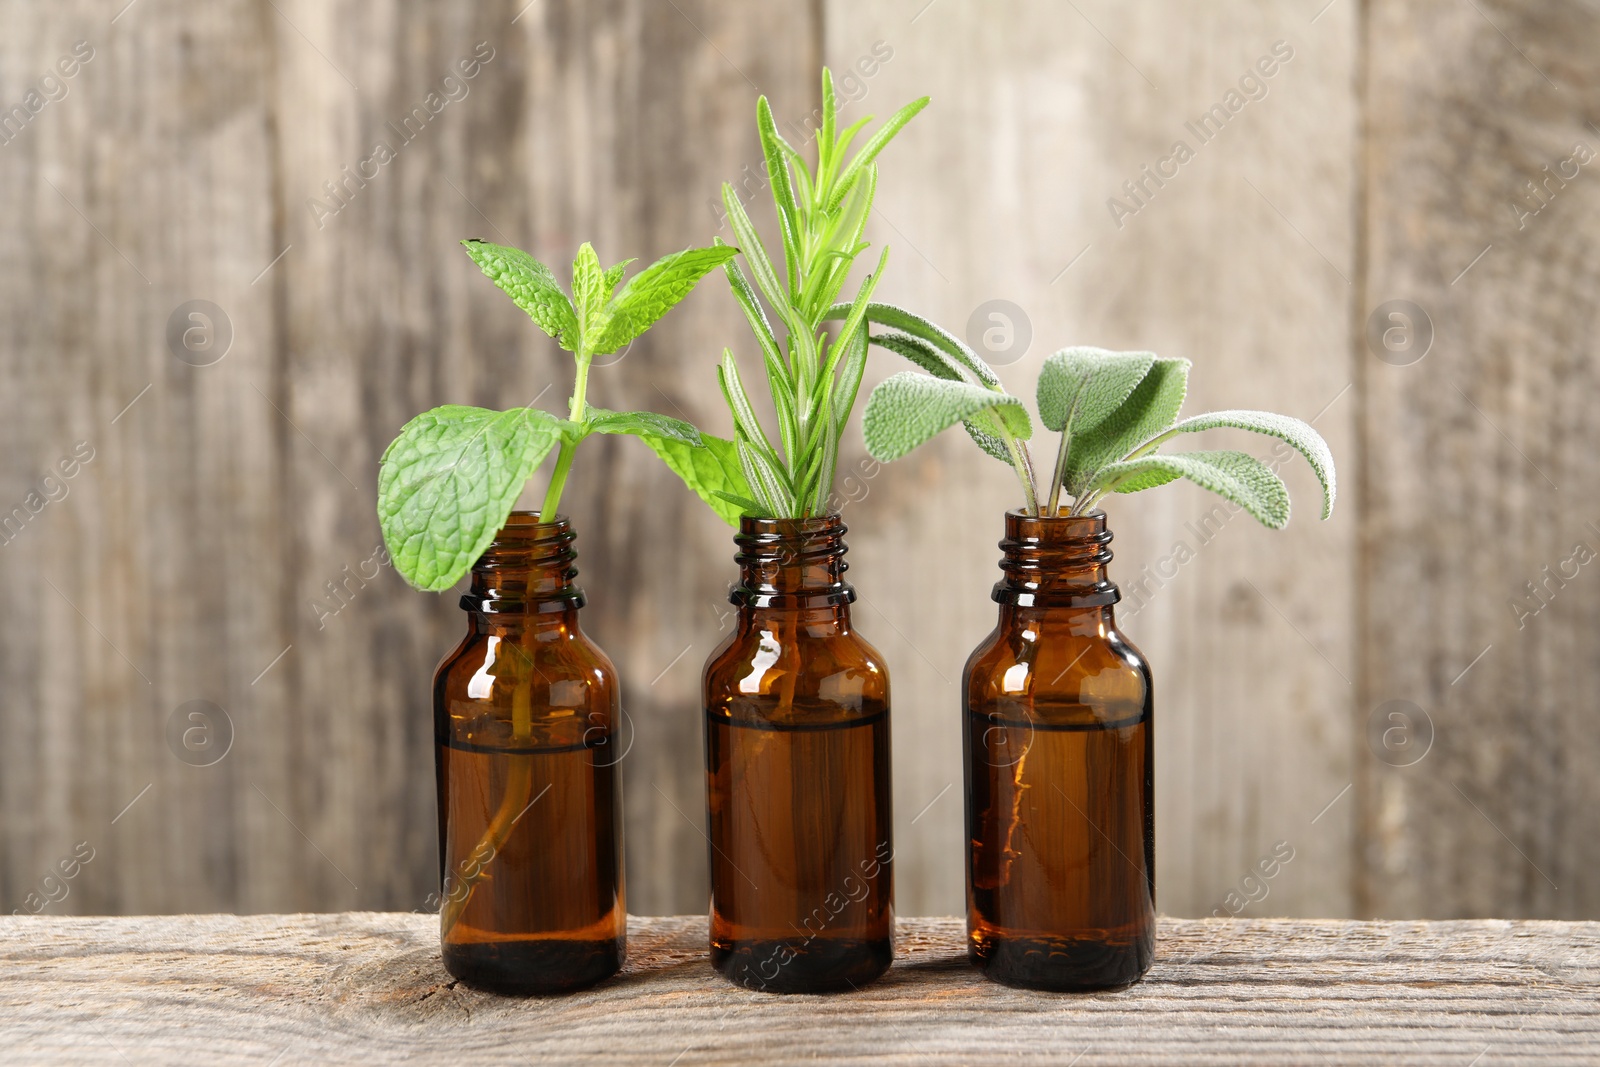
(133, 193)
(191, 558)
(369, 987)
(1239, 262)
(220, 546)
(1475, 481)
(667, 114)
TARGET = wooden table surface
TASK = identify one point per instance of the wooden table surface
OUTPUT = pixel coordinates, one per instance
(364, 988)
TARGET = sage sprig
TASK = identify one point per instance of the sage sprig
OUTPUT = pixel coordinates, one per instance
(1113, 411)
(813, 379)
(447, 483)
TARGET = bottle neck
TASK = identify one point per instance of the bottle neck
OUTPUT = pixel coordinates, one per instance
(791, 564)
(1056, 561)
(526, 574)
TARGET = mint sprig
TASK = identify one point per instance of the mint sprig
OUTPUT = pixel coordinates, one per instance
(449, 480)
(1112, 409)
(447, 483)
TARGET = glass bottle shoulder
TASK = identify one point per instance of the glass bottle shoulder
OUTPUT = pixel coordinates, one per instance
(795, 668)
(1058, 667)
(551, 686)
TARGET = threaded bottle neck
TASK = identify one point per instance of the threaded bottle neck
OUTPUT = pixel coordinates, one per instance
(527, 569)
(1056, 561)
(791, 563)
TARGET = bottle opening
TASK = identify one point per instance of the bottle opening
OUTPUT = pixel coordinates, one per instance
(791, 563)
(528, 568)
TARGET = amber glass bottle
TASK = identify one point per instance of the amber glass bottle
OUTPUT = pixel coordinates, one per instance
(797, 772)
(526, 720)
(1060, 785)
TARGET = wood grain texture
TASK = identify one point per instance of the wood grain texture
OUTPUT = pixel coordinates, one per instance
(1474, 477)
(369, 987)
(1048, 111)
(220, 545)
(214, 547)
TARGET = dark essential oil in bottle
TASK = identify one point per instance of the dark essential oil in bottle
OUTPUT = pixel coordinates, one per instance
(526, 714)
(798, 786)
(1059, 769)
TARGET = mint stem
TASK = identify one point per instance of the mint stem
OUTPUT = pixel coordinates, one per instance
(558, 480)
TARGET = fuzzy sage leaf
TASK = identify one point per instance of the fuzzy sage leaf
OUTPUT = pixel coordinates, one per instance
(1298, 434)
(1149, 409)
(1079, 388)
(1238, 476)
(909, 408)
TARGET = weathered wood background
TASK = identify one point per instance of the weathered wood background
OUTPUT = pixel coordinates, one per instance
(190, 558)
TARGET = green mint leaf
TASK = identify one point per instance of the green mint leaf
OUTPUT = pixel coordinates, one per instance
(870, 150)
(1080, 387)
(711, 469)
(1238, 476)
(448, 481)
(908, 408)
(613, 275)
(531, 285)
(640, 424)
(589, 293)
(1151, 408)
(654, 291)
